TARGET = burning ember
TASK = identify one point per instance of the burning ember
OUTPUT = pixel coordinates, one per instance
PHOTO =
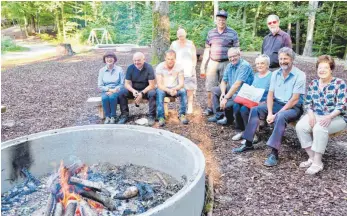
(101, 189)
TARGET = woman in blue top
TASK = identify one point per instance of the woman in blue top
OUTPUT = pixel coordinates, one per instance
(261, 80)
(325, 104)
(110, 80)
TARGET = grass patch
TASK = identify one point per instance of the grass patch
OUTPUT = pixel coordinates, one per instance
(8, 45)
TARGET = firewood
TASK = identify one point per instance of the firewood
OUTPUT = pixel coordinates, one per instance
(98, 186)
(58, 211)
(70, 208)
(50, 205)
(130, 192)
(105, 201)
(161, 178)
(86, 210)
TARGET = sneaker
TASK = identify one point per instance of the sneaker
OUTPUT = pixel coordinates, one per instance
(151, 121)
(208, 112)
(107, 120)
(242, 148)
(237, 136)
(113, 120)
(183, 119)
(255, 139)
(161, 122)
(123, 119)
(213, 119)
(223, 121)
(272, 160)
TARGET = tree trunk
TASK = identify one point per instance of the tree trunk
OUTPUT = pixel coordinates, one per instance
(58, 23)
(289, 27)
(63, 21)
(32, 24)
(325, 30)
(297, 38)
(26, 26)
(161, 31)
(215, 9)
(255, 20)
(244, 18)
(313, 5)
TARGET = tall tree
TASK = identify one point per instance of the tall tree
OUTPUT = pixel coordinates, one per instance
(161, 30)
(313, 5)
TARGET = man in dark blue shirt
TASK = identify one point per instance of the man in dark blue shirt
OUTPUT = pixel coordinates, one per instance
(274, 41)
(139, 84)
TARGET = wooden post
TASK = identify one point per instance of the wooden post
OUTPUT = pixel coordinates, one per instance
(101, 112)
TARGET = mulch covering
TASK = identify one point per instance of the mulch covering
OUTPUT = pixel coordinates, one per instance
(52, 94)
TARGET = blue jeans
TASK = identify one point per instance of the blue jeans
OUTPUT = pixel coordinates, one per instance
(182, 93)
(109, 104)
(241, 115)
(228, 111)
(280, 123)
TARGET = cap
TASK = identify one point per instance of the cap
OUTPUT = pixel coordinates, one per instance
(222, 13)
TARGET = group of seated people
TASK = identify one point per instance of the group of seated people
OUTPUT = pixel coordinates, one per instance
(281, 103)
(140, 82)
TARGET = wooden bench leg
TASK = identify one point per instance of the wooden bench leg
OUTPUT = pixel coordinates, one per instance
(166, 109)
(101, 112)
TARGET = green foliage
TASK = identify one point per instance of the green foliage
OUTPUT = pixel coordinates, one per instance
(7, 45)
(131, 21)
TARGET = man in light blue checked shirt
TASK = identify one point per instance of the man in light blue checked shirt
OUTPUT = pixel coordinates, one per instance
(284, 105)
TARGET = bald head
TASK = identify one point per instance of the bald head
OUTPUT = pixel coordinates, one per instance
(139, 60)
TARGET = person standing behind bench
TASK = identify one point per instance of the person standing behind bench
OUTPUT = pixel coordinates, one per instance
(237, 72)
(284, 105)
(170, 81)
(274, 41)
(325, 104)
(218, 41)
(186, 56)
(110, 82)
(139, 84)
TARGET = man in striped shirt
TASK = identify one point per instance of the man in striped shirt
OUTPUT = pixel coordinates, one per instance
(218, 41)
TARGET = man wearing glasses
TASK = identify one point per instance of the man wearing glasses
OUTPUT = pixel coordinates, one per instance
(218, 41)
(237, 72)
(274, 41)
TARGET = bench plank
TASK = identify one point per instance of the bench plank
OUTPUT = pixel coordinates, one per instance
(96, 101)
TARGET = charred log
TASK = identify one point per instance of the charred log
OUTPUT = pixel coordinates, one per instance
(58, 211)
(86, 210)
(70, 208)
(98, 186)
(50, 205)
(105, 201)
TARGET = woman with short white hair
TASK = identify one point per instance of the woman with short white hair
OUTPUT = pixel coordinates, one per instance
(186, 56)
(261, 80)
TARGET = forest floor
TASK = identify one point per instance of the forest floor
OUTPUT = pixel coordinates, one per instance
(52, 93)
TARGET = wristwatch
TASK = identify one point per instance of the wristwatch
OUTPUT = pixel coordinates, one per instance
(143, 94)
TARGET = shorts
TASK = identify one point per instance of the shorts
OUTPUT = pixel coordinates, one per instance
(214, 73)
(190, 83)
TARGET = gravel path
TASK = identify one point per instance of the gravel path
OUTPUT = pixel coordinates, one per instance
(52, 94)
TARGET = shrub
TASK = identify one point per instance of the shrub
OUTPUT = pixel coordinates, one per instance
(8, 45)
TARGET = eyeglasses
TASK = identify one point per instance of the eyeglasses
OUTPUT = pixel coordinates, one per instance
(234, 56)
(273, 22)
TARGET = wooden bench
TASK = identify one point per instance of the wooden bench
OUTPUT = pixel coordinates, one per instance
(3, 109)
(96, 101)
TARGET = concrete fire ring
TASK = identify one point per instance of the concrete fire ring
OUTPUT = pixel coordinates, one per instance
(173, 154)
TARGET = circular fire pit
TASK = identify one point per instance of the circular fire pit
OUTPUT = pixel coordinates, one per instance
(116, 144)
